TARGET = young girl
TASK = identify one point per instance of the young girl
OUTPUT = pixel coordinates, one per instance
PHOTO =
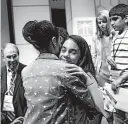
(75, 50)
(102, 47)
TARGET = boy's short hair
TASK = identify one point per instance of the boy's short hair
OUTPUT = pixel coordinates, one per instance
(119, 10)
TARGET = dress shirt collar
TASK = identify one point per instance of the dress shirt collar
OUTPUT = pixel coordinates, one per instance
(11, 71)
(47, 56)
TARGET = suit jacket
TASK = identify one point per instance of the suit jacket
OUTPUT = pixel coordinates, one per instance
(19, 101)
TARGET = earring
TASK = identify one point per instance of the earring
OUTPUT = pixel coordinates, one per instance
(29, 37)
(55, 45)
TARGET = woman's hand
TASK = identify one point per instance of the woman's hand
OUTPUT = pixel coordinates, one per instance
(74, 70)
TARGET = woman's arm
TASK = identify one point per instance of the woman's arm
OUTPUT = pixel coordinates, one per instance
(91, 86)
(79, 90)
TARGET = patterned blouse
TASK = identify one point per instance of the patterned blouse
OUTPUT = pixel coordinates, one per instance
(52, 96)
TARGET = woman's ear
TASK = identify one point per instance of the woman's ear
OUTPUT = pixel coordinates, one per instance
(60, 40)
(28, 38)
(54, 42)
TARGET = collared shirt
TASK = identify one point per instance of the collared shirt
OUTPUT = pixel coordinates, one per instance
(52, 95)
(8, 99)
(119, 50)
(9, 76)
(119, 53)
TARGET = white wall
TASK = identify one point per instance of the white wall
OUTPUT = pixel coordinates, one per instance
(30, 2)
(80, 10)
(107, 4)
(83, 8)
(24, 11)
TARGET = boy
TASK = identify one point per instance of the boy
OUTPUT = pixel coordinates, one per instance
(119, 53)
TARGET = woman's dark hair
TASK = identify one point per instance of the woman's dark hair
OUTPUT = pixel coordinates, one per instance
(39, 34)
(62, 32)
(85, 61)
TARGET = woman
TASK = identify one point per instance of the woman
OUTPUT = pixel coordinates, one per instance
(51, 93)
(75, 50)
(102, 42)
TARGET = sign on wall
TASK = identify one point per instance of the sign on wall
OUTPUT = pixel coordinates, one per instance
(85, 27)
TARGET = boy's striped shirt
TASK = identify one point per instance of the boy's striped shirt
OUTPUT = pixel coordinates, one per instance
(119, 51)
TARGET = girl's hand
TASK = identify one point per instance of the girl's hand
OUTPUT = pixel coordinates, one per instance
(74, 70)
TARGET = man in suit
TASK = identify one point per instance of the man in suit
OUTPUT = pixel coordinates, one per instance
(13, 102)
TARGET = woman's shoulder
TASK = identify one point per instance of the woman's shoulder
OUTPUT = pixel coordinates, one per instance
(95, 37)
(27, 70)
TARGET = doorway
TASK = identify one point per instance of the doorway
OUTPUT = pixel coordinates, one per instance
(58, 15)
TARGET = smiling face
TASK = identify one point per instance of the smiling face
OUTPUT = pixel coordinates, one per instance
(11, 57)
(70, 52)
(102, 23)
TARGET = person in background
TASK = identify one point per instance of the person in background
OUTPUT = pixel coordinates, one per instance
(13, 102)
(75, 50)
(119, 52)
(50, 92)
(102, 48)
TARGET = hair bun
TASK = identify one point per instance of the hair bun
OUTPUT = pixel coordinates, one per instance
(28, 30)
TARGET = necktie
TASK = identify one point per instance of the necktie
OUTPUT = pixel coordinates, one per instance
(12, 84)
(11, 115)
